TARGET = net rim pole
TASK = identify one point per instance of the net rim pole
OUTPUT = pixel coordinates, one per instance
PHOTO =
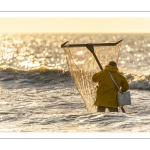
(66, 44)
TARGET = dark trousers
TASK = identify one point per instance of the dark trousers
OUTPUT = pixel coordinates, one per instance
(102, 109)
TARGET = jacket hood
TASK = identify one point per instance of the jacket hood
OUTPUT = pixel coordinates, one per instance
(111, 68)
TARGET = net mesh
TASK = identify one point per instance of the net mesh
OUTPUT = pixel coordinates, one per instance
(82, 66)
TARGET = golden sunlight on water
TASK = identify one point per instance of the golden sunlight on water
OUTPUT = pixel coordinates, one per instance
(31, 51)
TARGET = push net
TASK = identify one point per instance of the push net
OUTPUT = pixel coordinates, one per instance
(82, 65)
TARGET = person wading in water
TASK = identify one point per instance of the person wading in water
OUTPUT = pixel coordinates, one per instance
(107, 91)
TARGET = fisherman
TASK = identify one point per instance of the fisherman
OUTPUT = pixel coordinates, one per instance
(107, 91)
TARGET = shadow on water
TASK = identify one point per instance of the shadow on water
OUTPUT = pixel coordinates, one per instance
(51, 79)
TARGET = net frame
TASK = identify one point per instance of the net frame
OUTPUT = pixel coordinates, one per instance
(83, 83)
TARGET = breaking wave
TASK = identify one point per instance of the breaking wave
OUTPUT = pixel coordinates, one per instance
(44, 76)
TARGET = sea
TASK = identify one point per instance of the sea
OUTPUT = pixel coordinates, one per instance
(38, 94)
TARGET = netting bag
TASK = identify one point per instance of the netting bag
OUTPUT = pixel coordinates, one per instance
(82, 63)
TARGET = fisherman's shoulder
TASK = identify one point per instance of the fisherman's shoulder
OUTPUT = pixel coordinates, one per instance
(103, 71)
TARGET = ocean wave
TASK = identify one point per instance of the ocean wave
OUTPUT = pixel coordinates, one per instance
(12, 77)
(138, 81)
(44, 76)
